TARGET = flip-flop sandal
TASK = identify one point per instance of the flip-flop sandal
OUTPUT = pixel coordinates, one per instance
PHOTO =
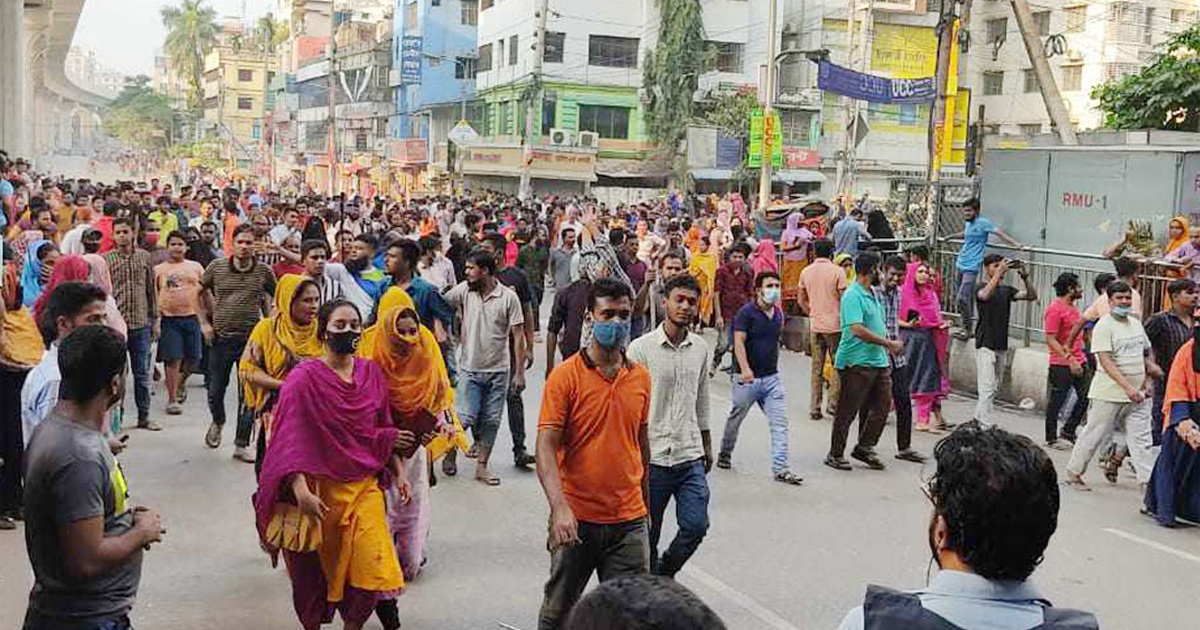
(489, 481)
(1077, 485)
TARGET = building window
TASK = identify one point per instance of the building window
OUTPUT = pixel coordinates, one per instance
(1182, 16)
(464, 67)
(1042, 19)
(609, 122)
(993, 83)
(484, 5)
(435, 3)
(1031, 82)
(549, 111)
(245, 75)
(499, 53)
(1146, 32)
(729, 56)
(996, 29)
(470, 13)
(796, 125)
(505, 118)
(1124, 22)
(512, 50)
(245, 102)
(485, 58)
(1115, 71)
(1076, 18)
(612, 52)
(1072, 78)
(360, 140)
(1030, 129)
(555, 43)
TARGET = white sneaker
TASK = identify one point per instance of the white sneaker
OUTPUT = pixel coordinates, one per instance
(244, 454)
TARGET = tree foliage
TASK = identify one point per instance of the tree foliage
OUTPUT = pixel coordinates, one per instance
(1165, 94)
(731, 111)
(191, 34)
(141, 117)
(671, 74)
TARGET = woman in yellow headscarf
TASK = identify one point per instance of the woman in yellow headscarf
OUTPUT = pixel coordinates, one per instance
(276, 345)
(422, 403)
(1177, 234)
(704, 269)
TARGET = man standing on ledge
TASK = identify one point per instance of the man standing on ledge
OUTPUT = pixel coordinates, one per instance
(975, 237)
(593, 450)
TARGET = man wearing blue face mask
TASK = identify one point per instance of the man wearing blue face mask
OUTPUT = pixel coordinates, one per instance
(756, 348)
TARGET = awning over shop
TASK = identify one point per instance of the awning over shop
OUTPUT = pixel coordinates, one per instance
(799, 176)
(712, 173)
(506, 161)
(624, 168)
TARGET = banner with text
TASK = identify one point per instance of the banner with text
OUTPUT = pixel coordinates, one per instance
(874, 89)
(410, 59)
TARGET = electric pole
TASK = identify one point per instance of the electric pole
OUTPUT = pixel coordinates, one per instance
(1041, 69)
(534, 94)
(764, 179)
(860, 59)
(937, 112)
(331, 141)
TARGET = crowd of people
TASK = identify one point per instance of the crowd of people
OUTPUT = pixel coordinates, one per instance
(376, 343)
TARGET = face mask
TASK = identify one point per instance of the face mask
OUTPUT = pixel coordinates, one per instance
(611, 334)
(771, 295)
(152, 239)
(343, 342)
(1122, 312)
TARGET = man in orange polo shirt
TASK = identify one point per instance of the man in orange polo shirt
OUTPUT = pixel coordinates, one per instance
(593, 453)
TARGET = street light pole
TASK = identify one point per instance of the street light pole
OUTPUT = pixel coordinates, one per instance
(764, 179)
(531, 108)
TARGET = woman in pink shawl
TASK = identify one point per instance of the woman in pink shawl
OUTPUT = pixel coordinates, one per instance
(319, 497)
(926, 344)
(764, 257)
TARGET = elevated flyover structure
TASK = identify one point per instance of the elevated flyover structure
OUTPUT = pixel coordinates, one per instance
(41, 111)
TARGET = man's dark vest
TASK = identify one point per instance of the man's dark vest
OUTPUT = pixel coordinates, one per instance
(887, 609)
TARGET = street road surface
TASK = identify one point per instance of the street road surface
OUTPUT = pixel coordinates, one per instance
(776, 557)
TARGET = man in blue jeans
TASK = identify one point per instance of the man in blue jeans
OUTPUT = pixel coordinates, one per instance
(137, 300)
(680, 442)
(756, 347)
(491, 315)
(976, 232)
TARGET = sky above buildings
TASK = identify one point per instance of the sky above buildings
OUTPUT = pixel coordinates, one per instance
(125, 34)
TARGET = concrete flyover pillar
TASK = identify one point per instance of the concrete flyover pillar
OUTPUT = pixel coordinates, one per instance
(13, 124)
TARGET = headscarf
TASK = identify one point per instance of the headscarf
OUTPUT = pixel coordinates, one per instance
(31, 273)
(99, 274)
(922, 299)
(763, 258)
(22, 347)
(284, 342)
(68, 269)
(704, 268)
(878, 226)
(793, 230)
(841, 258)
(1175, 243)
(325, 428)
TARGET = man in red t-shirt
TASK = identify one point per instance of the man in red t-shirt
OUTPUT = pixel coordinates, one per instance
(1067, 361)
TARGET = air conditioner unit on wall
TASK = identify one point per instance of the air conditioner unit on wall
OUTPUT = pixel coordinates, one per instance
(589, 139)
(561, 137)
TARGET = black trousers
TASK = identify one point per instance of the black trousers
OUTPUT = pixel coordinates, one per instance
(516, 418)
(902, 403)
(223, 357)
(1061, 382)
(12, 441)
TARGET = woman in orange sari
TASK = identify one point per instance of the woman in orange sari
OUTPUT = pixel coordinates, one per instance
(704, 269)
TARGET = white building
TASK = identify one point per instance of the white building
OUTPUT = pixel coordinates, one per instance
(1104, 40)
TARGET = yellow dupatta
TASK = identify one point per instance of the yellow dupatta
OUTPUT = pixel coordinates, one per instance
(704, 269)
(415, 382)
(277, 344)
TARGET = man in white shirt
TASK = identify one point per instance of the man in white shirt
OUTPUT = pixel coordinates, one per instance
(434, 267)
(288, 229)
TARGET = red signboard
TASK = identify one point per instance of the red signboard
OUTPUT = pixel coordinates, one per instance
(410, 150)
(795, 157)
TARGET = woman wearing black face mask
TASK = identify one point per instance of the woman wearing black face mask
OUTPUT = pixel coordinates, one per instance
(319, 495)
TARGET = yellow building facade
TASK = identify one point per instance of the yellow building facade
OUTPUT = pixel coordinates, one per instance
(236, 99)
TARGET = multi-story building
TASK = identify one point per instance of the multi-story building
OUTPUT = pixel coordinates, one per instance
(433, 83)
(85, 70)
(1104, 40)
(236, 74)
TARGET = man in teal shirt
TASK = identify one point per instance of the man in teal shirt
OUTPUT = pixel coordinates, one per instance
(862, 363)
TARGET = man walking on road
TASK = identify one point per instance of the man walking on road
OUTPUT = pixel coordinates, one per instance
(491, 317)
(1068, 363)
(680, 443)
(864, 369)
(756, 331)
(515, 279)
(975, 237)
(237, 292)
(85, 540)
(560, 259)
(888, 294)
(134, 290)
(821, 287)
(991, 335)
(593, 450)
(180, 346)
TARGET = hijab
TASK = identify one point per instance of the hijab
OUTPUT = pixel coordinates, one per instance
(68, 269)
(31, 273)
(284, 341)
(841, 258)
(763, 258)
(922, 299)
(1175, 243)
(878, 226)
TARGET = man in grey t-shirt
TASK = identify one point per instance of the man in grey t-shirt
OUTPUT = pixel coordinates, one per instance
(84, 541)
(560, 259)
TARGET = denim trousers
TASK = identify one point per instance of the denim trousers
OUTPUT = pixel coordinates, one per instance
(223, 357)
(688, 484)
(767, 392)
(138, 343)
(609, 550)
(965, 298)
(481, 397)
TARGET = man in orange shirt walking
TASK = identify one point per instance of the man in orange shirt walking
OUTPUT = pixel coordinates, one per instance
(821, 287)
(593, 454)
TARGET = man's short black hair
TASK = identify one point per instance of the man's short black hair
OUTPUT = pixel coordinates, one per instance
(483, 259)
(1116, 287)
(368, 239)
(1178, 286)
(896, 262)
(176, 234)
(1125, 267)
(866, 262)
(66, 300)
(992, 259)
(998, 493)
(642, 602)
(126, 221)
(1101, 282)
(919, 251)
(762, 277)
(740, 247)
(672, 253)
(430, 244)
(616, 237)
(88, 359)
(682, 281)
(1065, 283)
(409, 251)
(972, 203)
(313, 243)
(607, 288)
(823, 248)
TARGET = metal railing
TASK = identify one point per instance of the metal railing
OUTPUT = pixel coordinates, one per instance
(1045, 265)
